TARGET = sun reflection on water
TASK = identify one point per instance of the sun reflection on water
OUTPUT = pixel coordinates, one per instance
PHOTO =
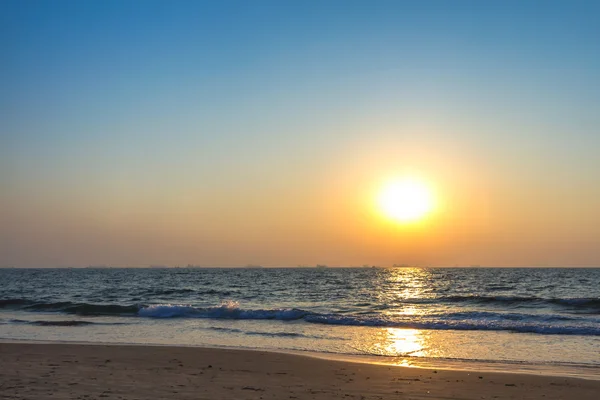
(401, 286)
(393, 342)
(404, 342)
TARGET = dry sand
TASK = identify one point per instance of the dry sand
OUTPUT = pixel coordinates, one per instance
(75, 371)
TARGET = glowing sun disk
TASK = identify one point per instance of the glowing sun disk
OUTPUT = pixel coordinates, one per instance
(405, 200)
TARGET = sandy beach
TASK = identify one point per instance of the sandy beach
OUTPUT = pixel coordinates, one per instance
(76, 371)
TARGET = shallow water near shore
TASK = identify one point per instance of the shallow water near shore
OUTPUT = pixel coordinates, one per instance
(496, 319)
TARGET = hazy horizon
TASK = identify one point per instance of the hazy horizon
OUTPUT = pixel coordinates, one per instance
(192, 266)
(228, 133)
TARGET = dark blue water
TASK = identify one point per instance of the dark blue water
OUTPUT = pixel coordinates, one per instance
(544, 301)
(556, 311)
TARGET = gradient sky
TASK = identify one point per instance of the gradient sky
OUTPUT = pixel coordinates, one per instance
(237, 132)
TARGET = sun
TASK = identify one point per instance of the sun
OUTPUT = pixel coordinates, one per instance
(406, 200)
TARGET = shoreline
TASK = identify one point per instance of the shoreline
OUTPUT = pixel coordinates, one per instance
(575, 371)
(35, 370)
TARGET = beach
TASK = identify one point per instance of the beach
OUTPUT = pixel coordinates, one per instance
(542, 321)
(358, 200)
(84, 371)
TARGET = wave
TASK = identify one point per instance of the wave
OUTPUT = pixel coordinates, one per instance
(8, 303)
(262, 333)
(542, 323)
(186, 291)
(101, 309)
(70, 307)
(62, 323)
(228, 310)
(592, 303)
(509, 316)
(470, 325)
(583, 302)
(589, 305)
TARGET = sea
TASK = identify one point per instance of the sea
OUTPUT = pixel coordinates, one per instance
(535, 320)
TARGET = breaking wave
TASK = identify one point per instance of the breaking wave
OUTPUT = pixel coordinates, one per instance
(542, 323)
(228, 310)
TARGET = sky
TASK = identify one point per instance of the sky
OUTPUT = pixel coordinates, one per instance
(137, 133)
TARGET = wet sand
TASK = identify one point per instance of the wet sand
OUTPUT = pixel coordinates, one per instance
(77, 371)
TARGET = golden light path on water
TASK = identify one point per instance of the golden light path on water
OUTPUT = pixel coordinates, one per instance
(410, 347)
(407, 283)
(397, 342)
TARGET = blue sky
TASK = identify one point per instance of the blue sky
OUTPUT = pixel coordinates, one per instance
(212, 110)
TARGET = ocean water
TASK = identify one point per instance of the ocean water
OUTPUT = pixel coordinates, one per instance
(495, 318)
